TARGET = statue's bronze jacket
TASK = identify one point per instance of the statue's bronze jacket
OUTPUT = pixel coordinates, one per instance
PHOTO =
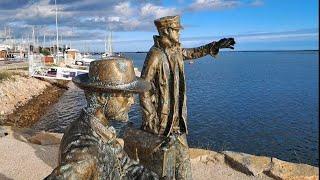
(89, 150)
(164, 107)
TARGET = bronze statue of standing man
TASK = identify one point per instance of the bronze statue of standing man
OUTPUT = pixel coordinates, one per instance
(164, 107)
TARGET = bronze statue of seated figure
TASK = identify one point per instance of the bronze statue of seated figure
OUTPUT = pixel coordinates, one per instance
(89, 149)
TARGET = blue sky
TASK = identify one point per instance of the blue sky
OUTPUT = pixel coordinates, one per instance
(255, 24)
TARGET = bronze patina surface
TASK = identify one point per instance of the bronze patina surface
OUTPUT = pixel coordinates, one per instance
(164, 107)
(158, 153)
(89, 149)
(118, 75)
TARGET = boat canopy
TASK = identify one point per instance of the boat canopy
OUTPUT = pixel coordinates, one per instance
(72, 50)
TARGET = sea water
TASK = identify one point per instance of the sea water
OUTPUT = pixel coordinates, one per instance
(262, 103)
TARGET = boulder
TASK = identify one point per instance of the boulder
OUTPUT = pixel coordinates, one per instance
(205, 156)
(3, 131)
(46, 138)
(9, 130)
(246, 163)
(20, 160)
(292, 171)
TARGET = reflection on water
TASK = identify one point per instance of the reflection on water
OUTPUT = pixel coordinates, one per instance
(263, 103)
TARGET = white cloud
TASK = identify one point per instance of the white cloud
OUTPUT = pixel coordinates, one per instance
(131, 24)
(114, 19)
(124, 9)
(96, 19)
(257, 3)
(144, 15)
(150, 10)
(88, 19)
(213, 4)
(88, 15)
(124, 23)
(40, 10)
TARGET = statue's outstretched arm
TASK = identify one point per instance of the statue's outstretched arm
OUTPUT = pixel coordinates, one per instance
(150, 119)
(198, 52)
(211, 48)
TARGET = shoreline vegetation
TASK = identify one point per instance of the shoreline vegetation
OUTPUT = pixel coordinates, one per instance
(24, 99)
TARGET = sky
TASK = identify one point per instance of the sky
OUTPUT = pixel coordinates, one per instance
(83, 24)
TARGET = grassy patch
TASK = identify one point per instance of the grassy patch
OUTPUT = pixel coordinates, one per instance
(5, 75)
(24, 68)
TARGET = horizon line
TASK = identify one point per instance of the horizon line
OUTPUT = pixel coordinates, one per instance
(235, 51)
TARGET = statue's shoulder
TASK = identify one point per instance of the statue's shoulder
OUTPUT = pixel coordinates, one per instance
(155, 55)
(78, 132)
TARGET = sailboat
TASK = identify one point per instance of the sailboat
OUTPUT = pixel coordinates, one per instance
(54, 68)
(108, 51)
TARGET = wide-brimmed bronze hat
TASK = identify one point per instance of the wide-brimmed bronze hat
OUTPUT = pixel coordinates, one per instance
(111, 75)
(168, 21)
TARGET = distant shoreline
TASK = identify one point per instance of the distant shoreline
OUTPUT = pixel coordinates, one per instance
(242, 51)
(273, 51)
(144, 52)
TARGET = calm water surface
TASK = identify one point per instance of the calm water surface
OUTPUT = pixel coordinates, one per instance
(263, 103)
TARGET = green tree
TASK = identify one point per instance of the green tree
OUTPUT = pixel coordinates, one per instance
(45, 52)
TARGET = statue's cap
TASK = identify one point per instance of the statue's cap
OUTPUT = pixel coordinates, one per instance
(168, 21)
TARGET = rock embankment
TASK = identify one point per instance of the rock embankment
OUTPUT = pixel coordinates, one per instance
(18, 90)
(23, 99)
(26, 154)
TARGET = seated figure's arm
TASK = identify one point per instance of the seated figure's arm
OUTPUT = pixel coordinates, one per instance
(77, 155)
(149, 114)
(76, 170)
(131, 169)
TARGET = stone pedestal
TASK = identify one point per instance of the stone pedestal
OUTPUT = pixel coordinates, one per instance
(145, 147)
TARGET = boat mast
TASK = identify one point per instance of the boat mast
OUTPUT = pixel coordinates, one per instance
(110, 43)
(33, 39)
(72, 31)
(44, 40)
(55, 3)
(5, 34)
(105, 43)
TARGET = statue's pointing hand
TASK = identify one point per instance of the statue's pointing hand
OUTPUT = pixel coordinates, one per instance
(222, 43)
(225, 43)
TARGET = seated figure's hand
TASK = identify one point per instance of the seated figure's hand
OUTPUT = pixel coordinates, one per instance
(225, 43)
